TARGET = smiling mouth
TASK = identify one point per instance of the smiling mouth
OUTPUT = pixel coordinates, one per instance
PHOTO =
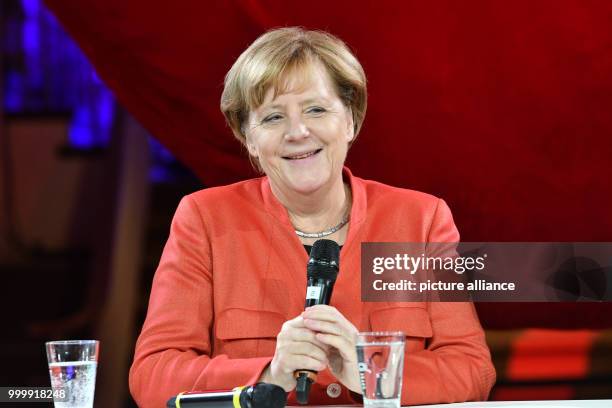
(302, 156)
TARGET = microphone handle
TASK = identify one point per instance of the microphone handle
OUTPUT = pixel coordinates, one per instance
(318, 292)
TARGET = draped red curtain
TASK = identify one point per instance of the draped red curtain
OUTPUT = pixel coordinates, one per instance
(502, 108)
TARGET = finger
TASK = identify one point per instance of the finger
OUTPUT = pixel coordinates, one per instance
(296, 322)
(321, 306)
(323, 326)
(288, 327)
(322, 312)
(304, 349)
(331, 315)
(345, 347)
(338, 329)
(305, 335)
(300, 362)
(326, 313)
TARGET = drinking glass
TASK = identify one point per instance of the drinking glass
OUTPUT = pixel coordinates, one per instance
(381, 363)
(72, 368)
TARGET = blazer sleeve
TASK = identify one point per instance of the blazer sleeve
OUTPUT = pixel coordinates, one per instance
(456, 364)
(173, 351)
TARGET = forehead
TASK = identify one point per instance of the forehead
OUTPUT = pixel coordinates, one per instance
(311, 80)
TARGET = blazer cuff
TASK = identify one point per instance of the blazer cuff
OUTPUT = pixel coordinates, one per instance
(223, 373)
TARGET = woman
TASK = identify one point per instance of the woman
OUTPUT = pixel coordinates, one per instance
(227, 301)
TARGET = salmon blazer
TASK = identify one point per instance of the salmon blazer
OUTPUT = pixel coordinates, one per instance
(233, 271)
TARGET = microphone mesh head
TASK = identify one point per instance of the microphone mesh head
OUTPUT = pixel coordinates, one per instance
(268, 396)
(324, 260)
(325, 250)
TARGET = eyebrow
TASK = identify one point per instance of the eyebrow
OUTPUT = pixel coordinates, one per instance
(305, 102)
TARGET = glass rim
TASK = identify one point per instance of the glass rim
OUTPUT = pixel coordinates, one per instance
(71, 342)
(382, 333)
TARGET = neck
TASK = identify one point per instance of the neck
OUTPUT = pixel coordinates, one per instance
(316, 211)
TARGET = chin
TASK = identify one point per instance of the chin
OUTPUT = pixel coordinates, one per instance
(308, 185)
(306, 188)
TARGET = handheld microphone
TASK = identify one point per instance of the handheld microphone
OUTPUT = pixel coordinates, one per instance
(260, 395)
(321, 273)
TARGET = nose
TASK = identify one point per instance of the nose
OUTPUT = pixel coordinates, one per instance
(296, 128)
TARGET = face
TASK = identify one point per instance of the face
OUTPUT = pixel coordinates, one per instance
(301, 137)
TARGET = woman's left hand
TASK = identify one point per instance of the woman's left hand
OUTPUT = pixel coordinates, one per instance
(336, 331)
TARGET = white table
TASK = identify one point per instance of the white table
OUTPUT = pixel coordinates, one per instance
(528, 404)
(512, 404)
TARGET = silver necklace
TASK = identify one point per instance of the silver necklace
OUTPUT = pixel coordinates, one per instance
(323, 233)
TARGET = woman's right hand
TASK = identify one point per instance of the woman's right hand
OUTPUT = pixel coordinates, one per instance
(296, 348)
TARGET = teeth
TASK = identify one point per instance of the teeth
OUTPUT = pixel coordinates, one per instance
(303, 156)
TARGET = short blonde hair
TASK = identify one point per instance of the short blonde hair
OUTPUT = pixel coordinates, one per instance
(266, 63)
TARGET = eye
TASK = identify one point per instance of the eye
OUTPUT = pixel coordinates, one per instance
(315, 110)
(272, 118)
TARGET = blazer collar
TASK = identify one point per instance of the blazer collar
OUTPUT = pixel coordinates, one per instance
(358, 209)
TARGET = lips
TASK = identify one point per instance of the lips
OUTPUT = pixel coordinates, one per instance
(300, 156)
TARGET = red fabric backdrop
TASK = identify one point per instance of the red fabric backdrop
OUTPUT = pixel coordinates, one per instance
(502, 108)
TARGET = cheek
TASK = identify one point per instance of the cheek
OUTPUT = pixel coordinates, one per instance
(332, 130)
(261, 144)
(337, 153)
